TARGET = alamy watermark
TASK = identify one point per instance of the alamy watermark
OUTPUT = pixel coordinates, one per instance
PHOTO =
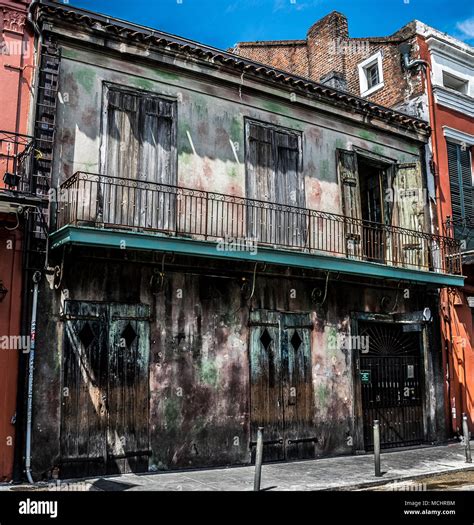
(238, 244)
(15, 342)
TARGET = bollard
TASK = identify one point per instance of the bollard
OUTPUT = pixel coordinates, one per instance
(467, 443)
(377, 447)
(258, 460)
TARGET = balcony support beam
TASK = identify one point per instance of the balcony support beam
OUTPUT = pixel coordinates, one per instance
(84, 236)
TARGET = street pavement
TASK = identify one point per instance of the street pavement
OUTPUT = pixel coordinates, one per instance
(339, 473)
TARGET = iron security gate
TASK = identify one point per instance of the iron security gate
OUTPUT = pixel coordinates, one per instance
(391, 374)
(281, 395)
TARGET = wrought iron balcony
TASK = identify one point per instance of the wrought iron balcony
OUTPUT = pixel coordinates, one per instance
(16, 152)
(103, 202)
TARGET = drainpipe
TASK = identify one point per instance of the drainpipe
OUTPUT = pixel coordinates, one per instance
(31, 364)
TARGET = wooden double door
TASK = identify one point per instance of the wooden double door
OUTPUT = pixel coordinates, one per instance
(105, 392)
(281, 388)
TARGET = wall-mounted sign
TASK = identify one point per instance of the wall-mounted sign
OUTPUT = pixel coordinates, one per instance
(470, 301)
(365, 376)
(410, 371)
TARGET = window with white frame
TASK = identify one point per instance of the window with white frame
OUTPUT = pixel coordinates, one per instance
(371, 74)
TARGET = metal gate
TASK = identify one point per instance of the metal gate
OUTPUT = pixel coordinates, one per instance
(391, 377)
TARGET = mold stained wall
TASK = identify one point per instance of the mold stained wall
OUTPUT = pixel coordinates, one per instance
(199, 341)
(211, 143)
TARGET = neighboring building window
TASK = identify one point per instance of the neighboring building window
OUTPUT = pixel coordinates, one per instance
(371, 74)
(461, 184)
(460, 85)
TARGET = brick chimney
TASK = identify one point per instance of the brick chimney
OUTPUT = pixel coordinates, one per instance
(326, 41)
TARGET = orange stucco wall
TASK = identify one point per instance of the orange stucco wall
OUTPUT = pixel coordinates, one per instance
(457, 338)
(16, 72)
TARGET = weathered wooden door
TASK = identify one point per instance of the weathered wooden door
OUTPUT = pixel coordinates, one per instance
(281, 395)
(84, 390)
(104, 416)
(127, 430)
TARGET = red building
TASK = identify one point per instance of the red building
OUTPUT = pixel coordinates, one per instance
(17, 56)
(451, 102)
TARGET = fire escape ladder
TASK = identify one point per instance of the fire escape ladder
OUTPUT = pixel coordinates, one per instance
(45, 128)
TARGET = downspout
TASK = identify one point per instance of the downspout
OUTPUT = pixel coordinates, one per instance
(31, 367)
(36, 275)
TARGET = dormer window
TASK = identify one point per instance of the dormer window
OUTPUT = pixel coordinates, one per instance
(371, 75)
(455, 83)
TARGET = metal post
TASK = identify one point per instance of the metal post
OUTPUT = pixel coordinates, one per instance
(467, 443)
(377, 447)
(258, 460)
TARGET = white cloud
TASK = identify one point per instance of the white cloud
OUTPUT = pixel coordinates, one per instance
(466, 27)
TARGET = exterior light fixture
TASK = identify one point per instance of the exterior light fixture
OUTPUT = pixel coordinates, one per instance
(427, 315)
(3, 291)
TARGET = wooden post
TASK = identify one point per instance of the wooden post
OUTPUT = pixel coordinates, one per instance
(258, 460)
(377, 447)
(467, 443)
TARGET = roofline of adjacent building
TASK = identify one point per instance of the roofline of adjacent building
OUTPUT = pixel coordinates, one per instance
(146, 35)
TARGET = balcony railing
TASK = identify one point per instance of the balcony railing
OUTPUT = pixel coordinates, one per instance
(101, 201)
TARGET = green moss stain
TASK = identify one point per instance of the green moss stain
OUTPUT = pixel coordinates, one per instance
(208, 373)
(378, 150)
(232, 172)
(340, 144)
(237, 129)
(85, 77)
(184, 147)
(143, 83)
(275, 107)
(322, 394)
(69, 53)
(367, 135)
(166, 75)
(185, 158)
(324, 169)
(172, 413)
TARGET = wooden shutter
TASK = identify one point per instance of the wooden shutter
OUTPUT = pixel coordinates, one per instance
(274, 175)
(409, 213)
(122, 154)
(157, 204)
(460, 178)
(260, 182)
(289, 189)
(351, 204)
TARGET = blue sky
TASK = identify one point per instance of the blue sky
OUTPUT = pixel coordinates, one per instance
(221, 23)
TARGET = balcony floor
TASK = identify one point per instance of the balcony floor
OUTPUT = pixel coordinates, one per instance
(85, 236)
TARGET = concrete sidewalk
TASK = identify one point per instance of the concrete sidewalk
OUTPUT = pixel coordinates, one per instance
(341, 473)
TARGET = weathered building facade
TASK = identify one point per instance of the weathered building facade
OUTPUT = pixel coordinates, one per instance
(222, 257)
(426, 73)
